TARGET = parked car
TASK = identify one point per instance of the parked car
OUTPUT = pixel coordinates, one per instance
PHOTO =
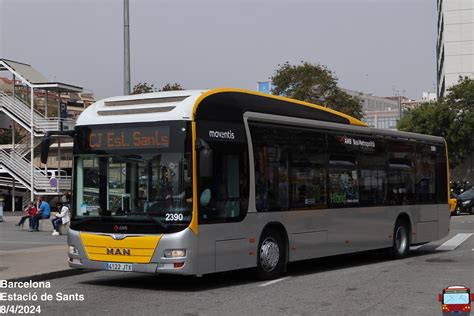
(465, 202)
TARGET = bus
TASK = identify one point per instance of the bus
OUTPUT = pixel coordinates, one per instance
(196, 182)
(456, 299)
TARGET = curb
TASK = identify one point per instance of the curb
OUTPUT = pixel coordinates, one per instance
(52, 275)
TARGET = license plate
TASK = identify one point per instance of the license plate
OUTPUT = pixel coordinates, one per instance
(112, 266)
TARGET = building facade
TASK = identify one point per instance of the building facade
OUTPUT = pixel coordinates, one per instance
(379, 112)
(455, 42)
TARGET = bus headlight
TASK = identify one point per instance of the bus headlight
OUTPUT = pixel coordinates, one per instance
(466, 202)
(73, 250)
(175, 253)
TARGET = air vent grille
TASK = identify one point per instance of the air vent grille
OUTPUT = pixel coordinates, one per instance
(145, 101)
(137, 111)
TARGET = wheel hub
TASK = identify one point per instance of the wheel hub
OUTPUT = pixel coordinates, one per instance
(269, 254)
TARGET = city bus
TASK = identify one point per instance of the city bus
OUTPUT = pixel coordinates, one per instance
(456, 299)
(196, 182)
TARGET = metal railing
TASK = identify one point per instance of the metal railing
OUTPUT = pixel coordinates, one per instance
(21, 168)
(15, 160)
(21, 112)
(23, 148)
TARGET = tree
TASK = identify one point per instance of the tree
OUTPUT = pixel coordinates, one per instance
(316, 84)
(171, 87)
(143, 87)
(451, 118)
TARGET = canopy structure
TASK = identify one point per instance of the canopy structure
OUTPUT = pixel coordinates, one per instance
(33, 78)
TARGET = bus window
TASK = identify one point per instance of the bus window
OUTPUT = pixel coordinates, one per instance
(441, 185)
(373, 176)
(425, 179)
(401, 178)
(307, 162)
(271, 168)
(343, 178)
(224, 197)
(289, 168)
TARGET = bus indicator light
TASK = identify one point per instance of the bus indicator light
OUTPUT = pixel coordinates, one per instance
(178, 265)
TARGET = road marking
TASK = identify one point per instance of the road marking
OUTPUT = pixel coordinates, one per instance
(274, 281)
(454, 242)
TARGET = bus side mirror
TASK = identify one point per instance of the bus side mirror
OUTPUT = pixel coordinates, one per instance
(205, 158)
(45, 143)
(472, 297)
(440, 298)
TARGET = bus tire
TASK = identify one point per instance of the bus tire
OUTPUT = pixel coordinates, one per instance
(401, 240)
(271, 257)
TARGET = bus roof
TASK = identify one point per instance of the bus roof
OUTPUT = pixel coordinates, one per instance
(192, 104)
(146, 107)
(456, 287)
(177, 105)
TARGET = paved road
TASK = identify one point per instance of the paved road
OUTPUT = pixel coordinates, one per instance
(24, 254)
(361, 284)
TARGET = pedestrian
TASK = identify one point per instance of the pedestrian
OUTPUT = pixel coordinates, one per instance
(44, 212)
(66, 197)
(61, 218)
(29, 211)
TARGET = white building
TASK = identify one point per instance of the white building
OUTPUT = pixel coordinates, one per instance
(379, 112)
(455, 45)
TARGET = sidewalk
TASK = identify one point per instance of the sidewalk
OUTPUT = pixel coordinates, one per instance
(26, 254)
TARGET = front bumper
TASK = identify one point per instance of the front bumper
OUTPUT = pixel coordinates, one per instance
(157, 264)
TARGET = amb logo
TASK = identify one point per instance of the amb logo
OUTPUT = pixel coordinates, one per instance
(118, 251)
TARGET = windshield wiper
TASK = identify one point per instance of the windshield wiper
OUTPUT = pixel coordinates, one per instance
(157, 221)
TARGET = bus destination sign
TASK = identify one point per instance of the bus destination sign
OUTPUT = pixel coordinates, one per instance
(128, 138)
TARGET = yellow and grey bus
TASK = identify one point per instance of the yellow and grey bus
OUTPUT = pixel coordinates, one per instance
(196, 182)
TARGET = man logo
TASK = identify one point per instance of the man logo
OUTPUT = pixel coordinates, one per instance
(118, 251)
(118, 236)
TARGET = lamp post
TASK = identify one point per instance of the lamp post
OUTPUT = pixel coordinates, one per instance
(126, 49)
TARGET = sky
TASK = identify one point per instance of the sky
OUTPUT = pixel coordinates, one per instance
(374, 46)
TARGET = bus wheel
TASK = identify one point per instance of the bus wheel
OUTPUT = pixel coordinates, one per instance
(401, 240)
(271, 255)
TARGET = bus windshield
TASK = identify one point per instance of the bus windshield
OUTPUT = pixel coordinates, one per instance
(144, 183)
(456, 298)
